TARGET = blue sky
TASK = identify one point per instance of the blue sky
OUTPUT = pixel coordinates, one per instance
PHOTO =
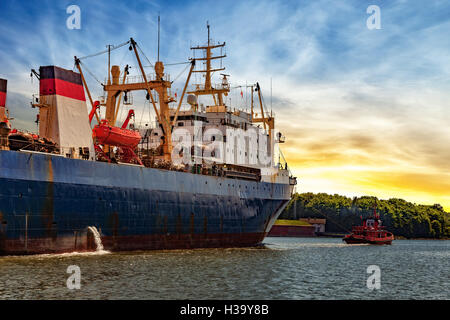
(309, 40)
(372, 105)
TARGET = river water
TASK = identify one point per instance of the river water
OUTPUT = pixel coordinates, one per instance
(284, 268)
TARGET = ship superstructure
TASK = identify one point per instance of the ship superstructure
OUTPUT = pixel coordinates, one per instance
(203, 176)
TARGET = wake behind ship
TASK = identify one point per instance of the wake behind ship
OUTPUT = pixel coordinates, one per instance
(195, 179)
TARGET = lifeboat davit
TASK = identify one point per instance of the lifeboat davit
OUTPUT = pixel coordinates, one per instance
(115, 136)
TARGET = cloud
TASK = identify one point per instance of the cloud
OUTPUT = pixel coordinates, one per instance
(370, 104)
(20, 109)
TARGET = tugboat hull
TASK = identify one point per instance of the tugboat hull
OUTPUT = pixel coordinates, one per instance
(357, 240)
(370, 232)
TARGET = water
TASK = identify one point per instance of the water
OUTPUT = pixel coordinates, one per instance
(97, 239)
(286, 268)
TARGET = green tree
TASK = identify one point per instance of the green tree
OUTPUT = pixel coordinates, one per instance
(401, 217)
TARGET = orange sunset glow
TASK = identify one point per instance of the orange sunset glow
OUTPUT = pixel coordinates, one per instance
(391, 147)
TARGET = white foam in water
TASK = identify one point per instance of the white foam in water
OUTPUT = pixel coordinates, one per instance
(97, 238)
(59, 255)
(64, 255)
(297, 245)
(98, 251)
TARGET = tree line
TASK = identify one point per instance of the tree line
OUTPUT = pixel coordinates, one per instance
(400, 217)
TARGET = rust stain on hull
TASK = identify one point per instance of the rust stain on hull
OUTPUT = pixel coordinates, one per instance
(48, 208)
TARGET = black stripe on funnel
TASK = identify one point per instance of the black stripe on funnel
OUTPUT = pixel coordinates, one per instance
(3, 83)
(53, 72)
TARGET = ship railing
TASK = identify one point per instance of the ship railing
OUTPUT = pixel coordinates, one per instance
(40, 145)
(267, 114)
(140, 78)
(145, 125)
(216, 86)
(362, 228)
(30, 142)
(186, 107)
(76, 152)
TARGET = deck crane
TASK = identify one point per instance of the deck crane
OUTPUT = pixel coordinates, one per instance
(127, 120)
(94, 109)
(115, 89)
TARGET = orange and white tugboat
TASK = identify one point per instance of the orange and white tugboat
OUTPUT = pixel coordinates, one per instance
(370, 232)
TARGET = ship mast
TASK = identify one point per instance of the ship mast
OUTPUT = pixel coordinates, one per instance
(268, 120)
(161, 85)
(208, 89)
(115, 90)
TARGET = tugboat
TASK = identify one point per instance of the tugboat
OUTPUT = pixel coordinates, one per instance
(370, 232)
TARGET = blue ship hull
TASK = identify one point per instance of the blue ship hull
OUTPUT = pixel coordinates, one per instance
(47, 203)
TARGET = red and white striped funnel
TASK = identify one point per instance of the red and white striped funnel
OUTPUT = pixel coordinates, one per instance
(63, 115)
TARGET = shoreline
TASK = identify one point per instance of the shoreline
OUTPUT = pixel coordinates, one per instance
(336, 235)
(404, 238)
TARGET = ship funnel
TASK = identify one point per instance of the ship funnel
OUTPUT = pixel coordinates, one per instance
(63, 115)
(3, 84)
(4, 124)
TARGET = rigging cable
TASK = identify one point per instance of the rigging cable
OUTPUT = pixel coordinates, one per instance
(143, 111)
(179, 75)
(144, 55)
(89, 71)
(177, 63)
(149, 117)
(169, 64)
(105, 51)
(123, 58)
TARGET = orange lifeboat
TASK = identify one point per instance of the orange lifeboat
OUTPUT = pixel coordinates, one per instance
(115, 136)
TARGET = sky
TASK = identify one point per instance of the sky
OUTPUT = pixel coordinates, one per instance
(364, 111)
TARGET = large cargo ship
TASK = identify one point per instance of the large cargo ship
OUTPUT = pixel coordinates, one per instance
(195, 179)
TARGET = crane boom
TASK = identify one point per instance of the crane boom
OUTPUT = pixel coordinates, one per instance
(127, 120)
